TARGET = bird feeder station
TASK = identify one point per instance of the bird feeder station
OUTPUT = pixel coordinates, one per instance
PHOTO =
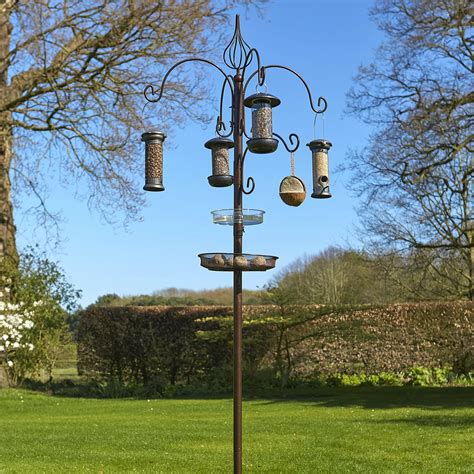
(220, 161)
(153, 160)
(238, 56)
(320, 150)
(262, 140)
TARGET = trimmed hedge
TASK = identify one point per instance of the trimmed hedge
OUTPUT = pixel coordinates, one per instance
(194, 344)
(142, 343)
(394, 338)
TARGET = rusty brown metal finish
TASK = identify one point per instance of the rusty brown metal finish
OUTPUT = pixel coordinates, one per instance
(238, 118)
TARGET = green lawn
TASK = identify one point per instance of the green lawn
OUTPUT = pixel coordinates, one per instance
(336, 430)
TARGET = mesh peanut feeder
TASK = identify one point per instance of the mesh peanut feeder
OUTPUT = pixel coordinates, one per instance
(292, 188)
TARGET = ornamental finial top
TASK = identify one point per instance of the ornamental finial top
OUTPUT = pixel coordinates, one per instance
(236, 54)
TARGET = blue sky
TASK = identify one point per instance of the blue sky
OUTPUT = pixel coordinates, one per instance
(325, 41)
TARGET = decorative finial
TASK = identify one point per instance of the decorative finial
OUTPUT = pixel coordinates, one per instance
(236, 54)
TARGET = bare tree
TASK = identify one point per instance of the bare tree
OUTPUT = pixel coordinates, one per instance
(334, 276)
(71, 78)
(416, 173)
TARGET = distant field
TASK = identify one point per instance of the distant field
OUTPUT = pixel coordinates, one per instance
(397, 429)
(66, 364)
(67, 356)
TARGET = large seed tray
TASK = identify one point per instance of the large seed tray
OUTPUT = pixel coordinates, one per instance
(228, 262)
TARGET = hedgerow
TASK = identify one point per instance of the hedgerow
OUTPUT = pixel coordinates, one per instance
(281, 344)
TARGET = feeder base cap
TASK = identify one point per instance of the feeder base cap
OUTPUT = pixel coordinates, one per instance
(262, 145)
(220, 181)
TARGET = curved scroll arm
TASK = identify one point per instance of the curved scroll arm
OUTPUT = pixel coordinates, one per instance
(286, 68)
(220, 123)
(243, 131)
(292, 136)
(260, 70)
(149, 89)
(250, 181)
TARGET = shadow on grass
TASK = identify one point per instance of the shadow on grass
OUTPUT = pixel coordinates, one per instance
(365, 397)
(385, 397)
(437, 421)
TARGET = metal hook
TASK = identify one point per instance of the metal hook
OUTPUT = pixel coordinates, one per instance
(293, 137)
(258, 85)
(251, 184)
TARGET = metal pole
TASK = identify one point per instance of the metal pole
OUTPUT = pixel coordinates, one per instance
(238, 118)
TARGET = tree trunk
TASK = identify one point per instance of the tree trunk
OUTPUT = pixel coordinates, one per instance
(470, 263)
(8, 251)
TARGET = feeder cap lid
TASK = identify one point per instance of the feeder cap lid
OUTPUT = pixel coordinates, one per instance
(319, 144)
(262, 97)
(219, 141)
(153, 135)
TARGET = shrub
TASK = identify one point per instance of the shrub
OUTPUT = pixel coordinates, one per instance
(419, 376)
(464, 359)
(424, 376)
(387, 378)
(34, 302)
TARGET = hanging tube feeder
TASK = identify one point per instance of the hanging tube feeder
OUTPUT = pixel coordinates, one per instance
(320, 150)
(153, 160)
(262, 140)
(220, 161)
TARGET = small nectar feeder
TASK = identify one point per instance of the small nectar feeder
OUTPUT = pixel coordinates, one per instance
(262, 140)
(292, 188)
(220, 161)
(320, 149)
(153, 160)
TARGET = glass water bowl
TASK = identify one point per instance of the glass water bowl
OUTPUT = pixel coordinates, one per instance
(228, 262)
(229, 216)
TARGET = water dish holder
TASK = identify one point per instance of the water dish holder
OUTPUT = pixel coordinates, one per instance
(230, 216)
(228, 262)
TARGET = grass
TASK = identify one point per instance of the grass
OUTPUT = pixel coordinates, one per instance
(361, 429)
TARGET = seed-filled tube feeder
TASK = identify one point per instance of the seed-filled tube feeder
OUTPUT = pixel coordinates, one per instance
(262, 140)
(153, 160)
(220, 161)
(320, 149)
